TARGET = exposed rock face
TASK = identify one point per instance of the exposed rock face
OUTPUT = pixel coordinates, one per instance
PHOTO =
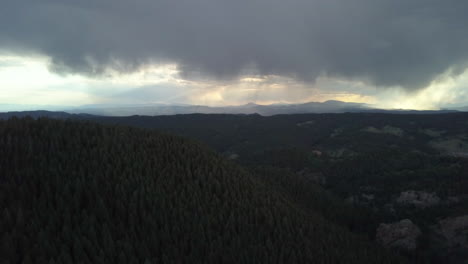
(368, 197)
(317, 153)
(396, 131)
(360, 199)
(449, 237)
(419, 199)
(316, 177)
(306, 123)
(452, 200)
(233, 156)
(403, 235)
(454, 231)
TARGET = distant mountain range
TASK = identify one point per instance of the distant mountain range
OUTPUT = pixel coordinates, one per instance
(250, 108)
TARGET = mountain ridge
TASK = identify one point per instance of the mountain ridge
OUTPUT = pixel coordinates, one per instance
(330, 106)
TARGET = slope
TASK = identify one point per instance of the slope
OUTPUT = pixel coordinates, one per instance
(79, 192)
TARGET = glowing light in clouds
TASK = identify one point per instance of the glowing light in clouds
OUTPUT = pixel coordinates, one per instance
(27, 80)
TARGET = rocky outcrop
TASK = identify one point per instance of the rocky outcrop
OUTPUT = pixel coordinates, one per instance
(402, 235)
(316, 177)
(452, 200)
(317, 153)
(231, 155)
(449, 238)
(453, 231)
(364, 199)
(419, 199)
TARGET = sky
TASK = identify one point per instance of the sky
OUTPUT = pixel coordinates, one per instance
(388, 53)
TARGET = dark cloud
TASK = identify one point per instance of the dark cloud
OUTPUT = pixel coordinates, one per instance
(385, 42)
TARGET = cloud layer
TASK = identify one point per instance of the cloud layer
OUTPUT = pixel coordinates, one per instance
(381, 42)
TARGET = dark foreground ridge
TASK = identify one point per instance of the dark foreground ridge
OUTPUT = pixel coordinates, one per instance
(79, 192)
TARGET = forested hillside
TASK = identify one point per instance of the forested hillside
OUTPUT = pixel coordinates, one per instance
(386, 167)
(79, 192)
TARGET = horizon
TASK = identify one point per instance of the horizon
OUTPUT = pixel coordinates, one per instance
(329, 106)
(136, 53)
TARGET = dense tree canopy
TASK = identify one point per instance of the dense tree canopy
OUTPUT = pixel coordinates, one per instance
(79, 192)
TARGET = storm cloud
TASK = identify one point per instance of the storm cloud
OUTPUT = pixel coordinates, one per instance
(381, 42)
